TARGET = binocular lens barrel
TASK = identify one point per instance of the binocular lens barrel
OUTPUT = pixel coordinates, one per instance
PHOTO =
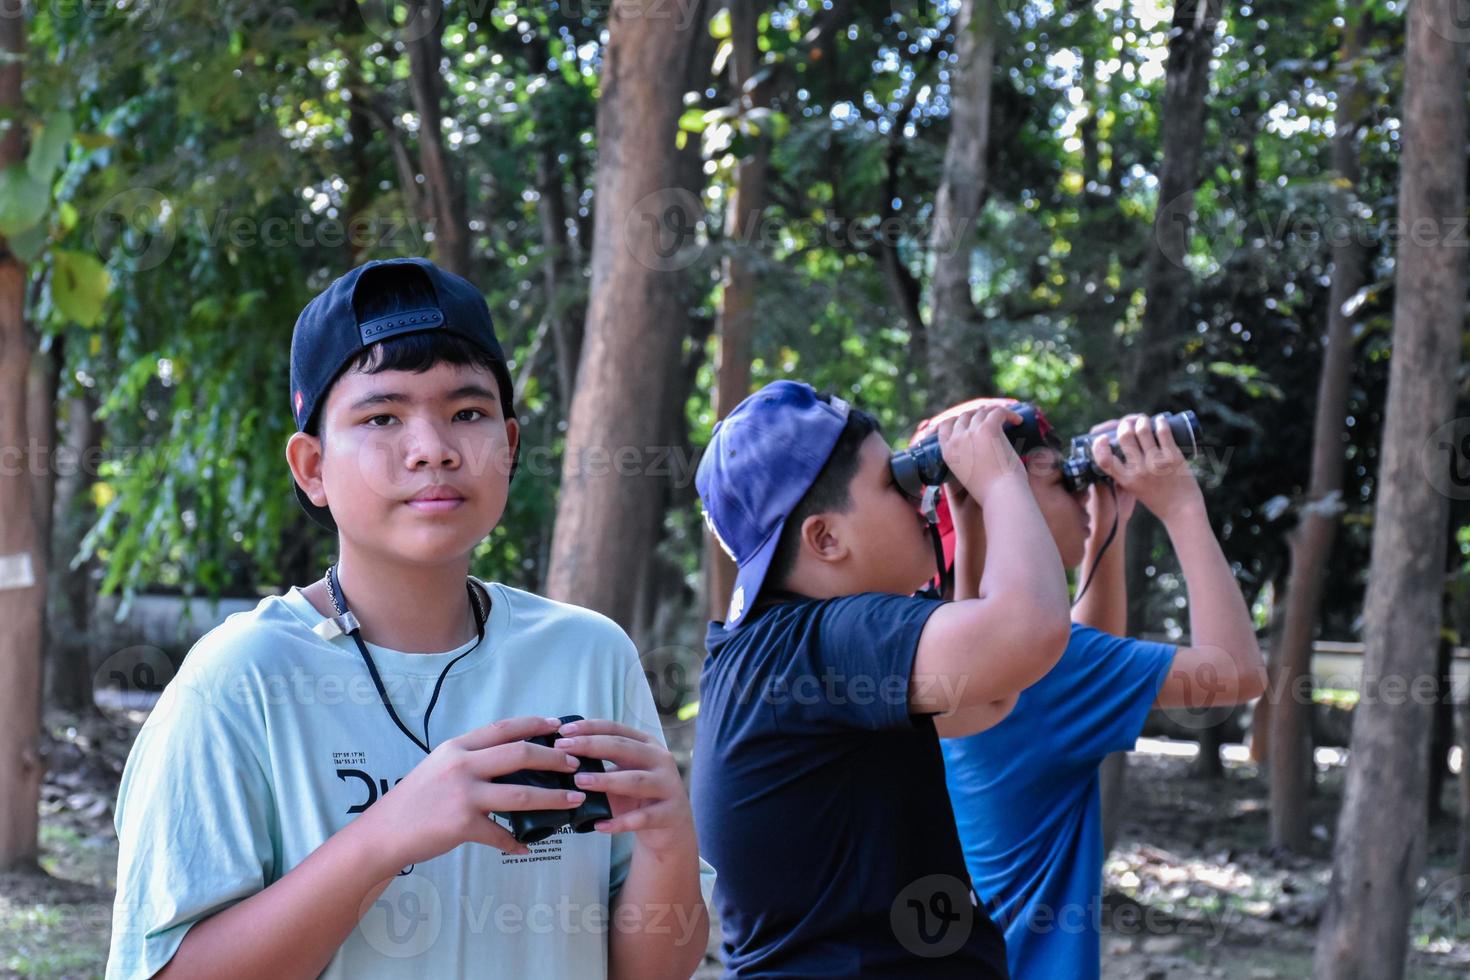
(1080, 470)
(922, 465)
(531, 826)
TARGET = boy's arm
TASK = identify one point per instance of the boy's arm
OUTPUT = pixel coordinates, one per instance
(659, 927)
(969, 567)
(1223, 664)
(976, 652)
(293, 927)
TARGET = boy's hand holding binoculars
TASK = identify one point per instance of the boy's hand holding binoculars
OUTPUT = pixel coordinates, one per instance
(977, 452)
(1102, 499)
(644, 790)
(448, 797)
(1152, 467)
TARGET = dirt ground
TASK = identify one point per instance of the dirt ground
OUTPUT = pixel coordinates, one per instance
(1192, 889)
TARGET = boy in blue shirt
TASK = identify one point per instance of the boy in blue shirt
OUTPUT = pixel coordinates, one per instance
(817, 777)
(315, 797)
(1026, 792)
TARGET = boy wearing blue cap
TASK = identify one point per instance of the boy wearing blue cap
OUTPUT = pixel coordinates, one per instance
(818, 782)
(312, 796)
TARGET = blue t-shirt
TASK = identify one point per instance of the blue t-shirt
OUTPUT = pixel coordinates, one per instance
(821, 803)
(1027, 802)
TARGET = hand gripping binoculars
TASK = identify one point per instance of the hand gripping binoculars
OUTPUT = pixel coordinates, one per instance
(922, 465)
(531, 826)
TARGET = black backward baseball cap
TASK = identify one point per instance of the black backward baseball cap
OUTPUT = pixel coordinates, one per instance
(329, 335)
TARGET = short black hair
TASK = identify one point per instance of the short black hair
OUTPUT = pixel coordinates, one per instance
(830, 492)
(387, 289)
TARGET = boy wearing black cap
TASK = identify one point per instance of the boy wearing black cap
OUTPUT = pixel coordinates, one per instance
(818, 782)
(307, 796)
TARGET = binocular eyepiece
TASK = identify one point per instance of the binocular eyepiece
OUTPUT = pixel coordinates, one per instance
(530, 826)
(922, 465)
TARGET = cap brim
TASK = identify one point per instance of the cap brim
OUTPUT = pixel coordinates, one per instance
(750, 577)
(320, 515)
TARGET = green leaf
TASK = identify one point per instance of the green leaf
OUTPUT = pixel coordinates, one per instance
(79, 285)
(692, 121)
(23, 200)
(29, 244)
(719, 24)
(48, 148)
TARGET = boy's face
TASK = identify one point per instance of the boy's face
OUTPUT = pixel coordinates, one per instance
(888, 540)
(387, 437)
(1065, 513)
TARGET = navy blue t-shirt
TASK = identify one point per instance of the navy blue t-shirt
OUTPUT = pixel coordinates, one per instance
(821, 801)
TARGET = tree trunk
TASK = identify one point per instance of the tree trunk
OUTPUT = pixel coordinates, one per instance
(1166, 292)
(737, 303)
(1311, 544)
(1442, 729)
(360, 186)
(42, 382)
(1181, 138)
(22, 562)
(1260, 733)
(69, 664)
(958, 351)
(638, 311)
(445, 190)
(1462, 851)
(1381, 834)
(1138, 557)
(565, 316)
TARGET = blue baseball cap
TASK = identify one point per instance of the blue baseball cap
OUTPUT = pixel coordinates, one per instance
(329, 334)
(762, 459)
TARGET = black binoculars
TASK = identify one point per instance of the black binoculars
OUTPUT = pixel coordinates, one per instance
(530, 826)
(922, 465)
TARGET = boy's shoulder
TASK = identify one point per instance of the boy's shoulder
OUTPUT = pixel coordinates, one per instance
(252, 636)
(793, 620)
(540, 616)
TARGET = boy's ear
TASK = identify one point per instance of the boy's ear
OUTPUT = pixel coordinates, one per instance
(512, 440)
(821, 538)
(304, 456)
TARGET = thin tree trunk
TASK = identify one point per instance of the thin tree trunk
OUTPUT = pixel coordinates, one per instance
(445, 190)
(1181, 137)
(1459, 619)
(360, 187)
(22, 561)
(1442, 730)
(958, 350)
(565, 316)
(1381, 835)
(1311, 545)
(69, 666)
(1166, 292)
(1260, 734)
(737, 302)
(638, 312)
(1462, 851)
(42, 383)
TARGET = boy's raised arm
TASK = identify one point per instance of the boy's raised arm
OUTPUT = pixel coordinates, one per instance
(976, 652)
(1223, 663)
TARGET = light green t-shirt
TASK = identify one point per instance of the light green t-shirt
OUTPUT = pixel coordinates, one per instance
(271, 739)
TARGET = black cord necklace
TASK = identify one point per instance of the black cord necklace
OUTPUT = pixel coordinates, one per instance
(349, 625)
